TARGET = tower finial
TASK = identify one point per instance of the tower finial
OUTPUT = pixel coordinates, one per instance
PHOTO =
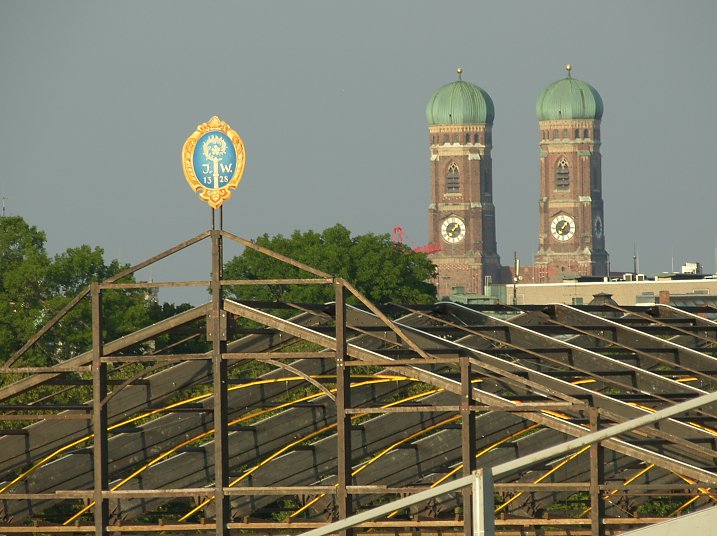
(569, 68)
(459, 71)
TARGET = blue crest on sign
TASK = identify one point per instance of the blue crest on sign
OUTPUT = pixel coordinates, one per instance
(214, 160)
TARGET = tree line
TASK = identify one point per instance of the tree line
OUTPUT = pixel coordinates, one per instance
(34, 286)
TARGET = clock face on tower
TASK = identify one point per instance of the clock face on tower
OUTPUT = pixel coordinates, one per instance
(453, 230)
(563, 227)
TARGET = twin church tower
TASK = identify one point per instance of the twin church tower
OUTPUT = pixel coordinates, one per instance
(462, 232)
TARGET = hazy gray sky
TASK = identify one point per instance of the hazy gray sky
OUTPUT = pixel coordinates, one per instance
(97, 98)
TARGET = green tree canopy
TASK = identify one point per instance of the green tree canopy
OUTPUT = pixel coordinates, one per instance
(381, 270)
(70, 272)
(23, 272)
(33, 287)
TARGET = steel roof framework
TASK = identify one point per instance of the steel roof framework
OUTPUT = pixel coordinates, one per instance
(493, 387)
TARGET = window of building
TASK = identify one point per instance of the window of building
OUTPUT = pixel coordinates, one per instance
(453, 179)
(562, 175)
(586, 133)
(468, 137)
(565, 134)
(476, 138)
(577, 300)
(577, 133)
(486, 180)
(645, 298)
(595, 179)
(446, 139)
(555, 134)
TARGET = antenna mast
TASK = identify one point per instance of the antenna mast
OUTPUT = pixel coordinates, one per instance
(672, 262)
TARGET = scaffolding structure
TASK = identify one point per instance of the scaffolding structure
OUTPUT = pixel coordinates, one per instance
(357, 404)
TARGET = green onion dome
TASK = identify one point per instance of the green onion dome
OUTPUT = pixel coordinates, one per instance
(460, 103)
(569, 98)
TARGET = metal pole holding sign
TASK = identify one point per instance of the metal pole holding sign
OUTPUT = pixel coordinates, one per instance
(213, 161)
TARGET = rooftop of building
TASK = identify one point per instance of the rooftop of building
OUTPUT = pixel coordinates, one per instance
(569, 98)
(460, 103)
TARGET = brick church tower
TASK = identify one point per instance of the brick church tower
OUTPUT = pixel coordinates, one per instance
(461, 213)
(571, 228)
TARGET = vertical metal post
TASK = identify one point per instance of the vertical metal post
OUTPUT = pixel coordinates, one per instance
(99, 417)
(219, 375)
(221, 244)
(468, 440)
(483, 503)
(597, 477)
(343, 401)
(516, 277)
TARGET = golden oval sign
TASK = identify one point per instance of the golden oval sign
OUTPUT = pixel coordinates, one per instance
(213, 161)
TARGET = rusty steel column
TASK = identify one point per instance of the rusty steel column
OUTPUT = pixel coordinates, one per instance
(218, 335)
(99, 417)
(597, 478)
(343, 401)
(468, 440)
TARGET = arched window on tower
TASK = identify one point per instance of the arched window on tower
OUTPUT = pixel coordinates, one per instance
(486, 181)
(453, 179)
(562, 175)
(595, 178)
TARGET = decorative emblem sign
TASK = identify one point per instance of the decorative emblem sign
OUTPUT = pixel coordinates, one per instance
(213, 161)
